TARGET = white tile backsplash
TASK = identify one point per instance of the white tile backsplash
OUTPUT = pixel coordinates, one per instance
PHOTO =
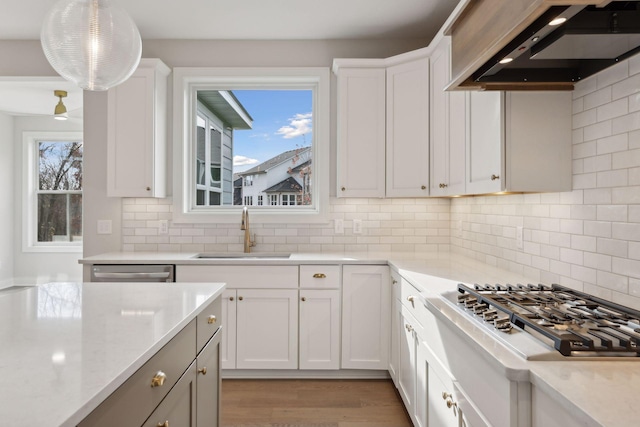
(598, 248)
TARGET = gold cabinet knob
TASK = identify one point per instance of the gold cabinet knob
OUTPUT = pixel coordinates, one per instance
(494, 177)
(149, 189)
(230, 298)
(443, 185)
(408, 327)
(303, 299)
(240, 298)
(164, 424)
(319, 276)
(203, 371)
(342, 188)
(158, 379)
(424, 187)
(411, 298)
(211, 319)
(394, 281)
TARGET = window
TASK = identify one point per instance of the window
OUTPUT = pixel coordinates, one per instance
(53, 192)
(248, 200)
(289, 199)
(214, 110)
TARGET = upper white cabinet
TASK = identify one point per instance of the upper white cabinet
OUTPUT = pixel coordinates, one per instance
(447, 126)
(361, 132)
(518, 141)
(136, 127)
(408, 129)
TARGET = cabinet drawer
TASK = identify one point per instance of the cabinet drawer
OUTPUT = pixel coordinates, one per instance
(241, 276)
(134, 400)
(320, 276)
(208, 322)
(413, 301)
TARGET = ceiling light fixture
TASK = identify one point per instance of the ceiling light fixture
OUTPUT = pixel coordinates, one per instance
(91, 43)
(60, 112)
(557, 21)
(505, 60)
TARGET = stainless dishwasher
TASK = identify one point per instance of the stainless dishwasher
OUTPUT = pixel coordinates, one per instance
(133, 273)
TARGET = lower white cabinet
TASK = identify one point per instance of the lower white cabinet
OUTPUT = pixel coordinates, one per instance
(319, 329)
(407, 375)
(267, 329)
(365, 317)
(228, 345)
(396, 321)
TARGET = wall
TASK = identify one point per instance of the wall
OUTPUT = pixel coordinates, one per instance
(6, 192)
(588, 238)
(37, 266)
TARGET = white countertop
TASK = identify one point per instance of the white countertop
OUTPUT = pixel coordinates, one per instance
(598, 393)
(66, 346)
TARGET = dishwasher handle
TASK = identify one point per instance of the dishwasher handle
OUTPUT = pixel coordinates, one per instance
(133, 276)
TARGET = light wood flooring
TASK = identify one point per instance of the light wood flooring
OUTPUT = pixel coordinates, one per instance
(312, 403)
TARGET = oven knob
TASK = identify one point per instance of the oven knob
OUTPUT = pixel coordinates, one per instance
(470, 302)
(462, 298)
(503, 325)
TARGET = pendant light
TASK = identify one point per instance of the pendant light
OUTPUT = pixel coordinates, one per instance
(60, 112)
(91, 43)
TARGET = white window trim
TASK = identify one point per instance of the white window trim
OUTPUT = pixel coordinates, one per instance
(188, 80)
(29, 195)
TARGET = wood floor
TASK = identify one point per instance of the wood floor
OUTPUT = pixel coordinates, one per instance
(312, 403)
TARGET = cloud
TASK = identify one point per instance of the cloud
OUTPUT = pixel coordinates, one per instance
(243, 161)
(299, 125)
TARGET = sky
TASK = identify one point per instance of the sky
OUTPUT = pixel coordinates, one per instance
(281, 121)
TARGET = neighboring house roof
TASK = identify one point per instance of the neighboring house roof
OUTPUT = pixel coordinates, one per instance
(289, 185)
(300, 166)
(275, 161)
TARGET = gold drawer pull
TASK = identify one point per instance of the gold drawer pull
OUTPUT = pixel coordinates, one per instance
(164, 424)
(230, 298)
(495, 177)
(411, 298)
(211, 319)
(240, 298)
(303, 299)
(158, 379)
(203, 371)
(319, 276)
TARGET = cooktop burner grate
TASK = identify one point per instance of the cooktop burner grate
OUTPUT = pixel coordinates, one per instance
(573, 322)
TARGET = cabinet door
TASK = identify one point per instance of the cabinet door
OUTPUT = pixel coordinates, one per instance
(448, 127)
(396, 322)
(208, 383)
(485, 142)
(365, 316)
(136, 127)
(320, 329)
(267, 329)
(179, 406)
(228, 345)
(361, 132)
(408, 129)
(441, 410)
(407, 374)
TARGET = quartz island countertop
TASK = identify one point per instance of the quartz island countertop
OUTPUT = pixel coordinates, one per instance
(66, 346)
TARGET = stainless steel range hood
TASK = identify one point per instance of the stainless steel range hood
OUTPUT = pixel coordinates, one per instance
(541, 55)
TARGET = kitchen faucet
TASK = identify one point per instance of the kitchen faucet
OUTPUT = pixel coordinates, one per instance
(244, 225)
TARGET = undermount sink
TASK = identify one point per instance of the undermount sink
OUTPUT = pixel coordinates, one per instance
(242, 256)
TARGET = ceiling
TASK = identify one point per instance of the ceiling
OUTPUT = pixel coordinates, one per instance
(228, 20)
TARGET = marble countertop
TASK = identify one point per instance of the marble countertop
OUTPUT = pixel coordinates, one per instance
(66, 346)
(597, 393)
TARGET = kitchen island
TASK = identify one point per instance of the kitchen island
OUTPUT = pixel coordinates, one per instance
(67, 346)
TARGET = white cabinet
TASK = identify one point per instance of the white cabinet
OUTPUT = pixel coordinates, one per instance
(267, 329)
(407, 379)
(228, 346)
(407, 141)
(447, 126)
(361, 132)
(365, 316)
(136, 133)
(395, 333)
(319, 329)
(518, 141)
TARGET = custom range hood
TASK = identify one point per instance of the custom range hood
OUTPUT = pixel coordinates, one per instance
(545, 47)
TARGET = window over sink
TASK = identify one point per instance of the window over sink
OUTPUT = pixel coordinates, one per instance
(256, 137)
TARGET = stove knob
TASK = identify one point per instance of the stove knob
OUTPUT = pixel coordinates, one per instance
(503, 325)
(462, 298)
(470, 302)
(489, 315)
(480, 308)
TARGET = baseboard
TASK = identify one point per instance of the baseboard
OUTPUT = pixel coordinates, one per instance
(304, 374)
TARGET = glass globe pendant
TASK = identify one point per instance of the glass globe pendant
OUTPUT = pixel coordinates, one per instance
(90, 42)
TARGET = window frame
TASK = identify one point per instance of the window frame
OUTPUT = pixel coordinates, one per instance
(211, 122)
(30, 192)
(188, 80)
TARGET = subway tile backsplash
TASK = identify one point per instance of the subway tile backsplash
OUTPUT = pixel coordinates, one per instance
(588, 238)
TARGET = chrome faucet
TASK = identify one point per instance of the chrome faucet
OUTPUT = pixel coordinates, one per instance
(244, 225)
